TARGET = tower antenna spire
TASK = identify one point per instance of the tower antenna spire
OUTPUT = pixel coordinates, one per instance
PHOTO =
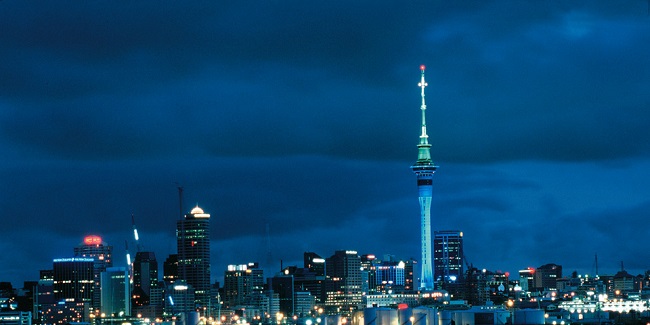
(424, 148)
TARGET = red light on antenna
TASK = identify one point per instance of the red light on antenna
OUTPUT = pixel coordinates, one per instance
(422, 67)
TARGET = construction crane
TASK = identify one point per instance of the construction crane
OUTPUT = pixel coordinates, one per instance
(138, 248)
(128, 261)
(128, 255)
(135, 234)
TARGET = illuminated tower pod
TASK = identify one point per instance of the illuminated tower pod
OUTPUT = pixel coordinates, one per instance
(424, 169)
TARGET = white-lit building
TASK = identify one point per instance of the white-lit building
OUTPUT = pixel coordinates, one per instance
(386, 300)
(15, 318)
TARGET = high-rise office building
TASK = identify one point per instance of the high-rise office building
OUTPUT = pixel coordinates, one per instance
(179, 298)
(409, 274)
(345, 282)
(303, 303)
(73, 279)
(424, 169)
(170, 269)
(368, 274)
(390, 276)
(94, 247)
(193, 240)
(145, 277)
(546, 277)
(448, 255)
(314, 263)
(527, 279)
(45, 293)
(308, 280)
(241, 282)
(116, 292)
(283, 284)
(73, 287)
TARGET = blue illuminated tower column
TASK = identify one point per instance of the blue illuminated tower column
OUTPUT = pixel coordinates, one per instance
(424, 169)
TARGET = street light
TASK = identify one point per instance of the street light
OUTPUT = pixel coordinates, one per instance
(511, 305)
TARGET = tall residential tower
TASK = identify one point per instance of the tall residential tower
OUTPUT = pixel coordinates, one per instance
(424, 169)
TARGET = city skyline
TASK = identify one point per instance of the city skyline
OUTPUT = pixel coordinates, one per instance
(295, 125)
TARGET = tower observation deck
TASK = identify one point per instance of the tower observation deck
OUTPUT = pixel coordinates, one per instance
(424, 169)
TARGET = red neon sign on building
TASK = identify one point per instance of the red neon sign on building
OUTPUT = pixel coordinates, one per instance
(92, 240)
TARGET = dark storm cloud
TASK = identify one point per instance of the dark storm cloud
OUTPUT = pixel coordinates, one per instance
(507, 81)
(304, 117)
(610, 234)
(569, 87)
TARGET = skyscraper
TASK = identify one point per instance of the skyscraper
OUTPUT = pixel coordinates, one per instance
(283, 284)
(73, 279)
(170, 269)
(345, 282)
(94, 247)
(546, 277)
(448, 255)
(145, 277)
(193, 240)
(424, 169)
(241, 282)
(314, 263)
(116, 292)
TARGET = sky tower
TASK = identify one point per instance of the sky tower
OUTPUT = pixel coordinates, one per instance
(424, 169)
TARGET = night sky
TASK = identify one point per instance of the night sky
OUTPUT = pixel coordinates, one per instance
(302, 117)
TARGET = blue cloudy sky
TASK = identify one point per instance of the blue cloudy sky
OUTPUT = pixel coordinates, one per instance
(302, 118)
